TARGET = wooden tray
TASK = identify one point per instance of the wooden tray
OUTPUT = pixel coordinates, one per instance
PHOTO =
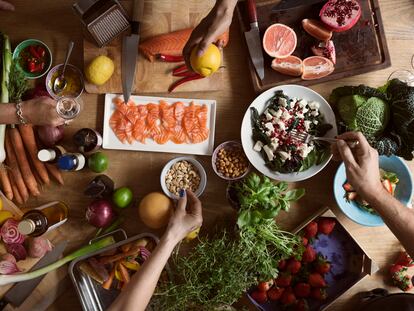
(359, 50)
(159, 17)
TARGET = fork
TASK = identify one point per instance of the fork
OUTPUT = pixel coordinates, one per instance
(307, 138)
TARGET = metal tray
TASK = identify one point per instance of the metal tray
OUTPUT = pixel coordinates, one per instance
(91, 295)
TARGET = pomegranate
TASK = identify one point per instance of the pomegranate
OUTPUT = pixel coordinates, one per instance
(340, 15)
(325, 49)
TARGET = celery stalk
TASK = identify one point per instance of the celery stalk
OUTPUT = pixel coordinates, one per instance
(7, 59)
(8, 279)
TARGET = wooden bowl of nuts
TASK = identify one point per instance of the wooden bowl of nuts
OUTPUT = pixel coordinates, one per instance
(229, 161)
(183, 173)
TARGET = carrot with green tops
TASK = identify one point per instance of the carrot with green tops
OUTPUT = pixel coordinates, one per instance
(16, 194)
(5, 183)
(28, 137)
(15, 170)
(56, 174)
(24, 165)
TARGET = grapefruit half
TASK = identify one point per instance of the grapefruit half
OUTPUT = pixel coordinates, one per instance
(279, 41)
(316, 67)
(290, 65)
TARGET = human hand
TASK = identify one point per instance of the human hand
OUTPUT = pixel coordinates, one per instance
(186, 217)
(361, 164)
(41, 111)
(6, 6)
(210, 28)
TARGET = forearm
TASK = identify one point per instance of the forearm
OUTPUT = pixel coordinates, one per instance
(399, 218)
(8, 114)
(226, 6)
(139, 291)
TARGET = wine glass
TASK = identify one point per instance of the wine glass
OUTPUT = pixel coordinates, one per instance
(403, 75)
(68, 108)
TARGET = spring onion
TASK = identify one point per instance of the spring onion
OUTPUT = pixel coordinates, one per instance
(8, 279)
(6, 64)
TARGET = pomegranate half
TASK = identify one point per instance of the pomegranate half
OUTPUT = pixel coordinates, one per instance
(340, 15)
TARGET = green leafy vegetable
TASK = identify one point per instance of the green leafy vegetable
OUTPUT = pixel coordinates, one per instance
(18, 83)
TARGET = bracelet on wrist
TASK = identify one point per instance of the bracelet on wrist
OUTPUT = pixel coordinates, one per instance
(19, 113)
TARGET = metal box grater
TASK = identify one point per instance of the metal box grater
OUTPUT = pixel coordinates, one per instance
(104, 20)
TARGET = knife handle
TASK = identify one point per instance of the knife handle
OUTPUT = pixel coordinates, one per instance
(137, 14)
(251, 9)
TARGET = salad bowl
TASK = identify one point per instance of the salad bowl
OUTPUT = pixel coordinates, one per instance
(260, 104)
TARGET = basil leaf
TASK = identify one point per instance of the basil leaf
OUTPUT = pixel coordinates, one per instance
(244, 219)
(294, 195)
(270, 214)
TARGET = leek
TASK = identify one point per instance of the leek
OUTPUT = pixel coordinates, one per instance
(6, 64)
(88, 249)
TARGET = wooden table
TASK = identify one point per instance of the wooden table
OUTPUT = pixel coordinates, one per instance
(55, 24)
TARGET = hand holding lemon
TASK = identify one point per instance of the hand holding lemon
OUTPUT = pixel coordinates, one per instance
(208, 63)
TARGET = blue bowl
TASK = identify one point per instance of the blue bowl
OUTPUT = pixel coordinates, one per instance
(403, 192)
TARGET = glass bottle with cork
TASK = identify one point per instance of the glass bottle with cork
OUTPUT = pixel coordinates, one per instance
(51, 155)
(44, 218)
(88, 140)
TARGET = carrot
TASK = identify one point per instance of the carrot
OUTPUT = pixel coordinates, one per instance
(108, 259)
(107, 284)
(24, 165)
(56, 174)
(5, 183)
(27, 133)
(17, 175)
(124, 273)
(17, 197)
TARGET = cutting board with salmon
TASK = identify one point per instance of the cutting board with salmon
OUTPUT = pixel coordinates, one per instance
(160, 18)
(358, 50)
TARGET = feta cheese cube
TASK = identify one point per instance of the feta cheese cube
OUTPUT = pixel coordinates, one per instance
(304, 150)
(268, 116)
(274, 144)
(307, 124)
(278, 114)
(269, 126)
(258, 146)
(302, 103)
(281, 125)
(305, 110)
(314, 113)
(268, 152)
(314, 105)
(282, 102)
(300, 115)
(284, 155)
(315, 122)
(286, 115)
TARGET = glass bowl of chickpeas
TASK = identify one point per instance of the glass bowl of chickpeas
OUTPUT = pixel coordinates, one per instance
(229, 161)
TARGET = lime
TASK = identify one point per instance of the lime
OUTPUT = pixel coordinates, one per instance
(98, 162)
(122, 197)
(100, 70)
(208, 63)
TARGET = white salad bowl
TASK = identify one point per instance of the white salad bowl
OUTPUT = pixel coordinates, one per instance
(260, 103)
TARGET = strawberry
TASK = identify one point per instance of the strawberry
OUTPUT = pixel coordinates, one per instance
(404, 282)
(309, 254)
(302, 290)
(275, 293)
(284, 279)
(316, 280)
(282, 265)
(326, 225)
(260, 297)
(404, 259)
(311, 229)
(397, 270)
(293, 265)
(318, 293)
(322, 266)
(264, 286)
(305, 241)
(348, 187)
(301, 305)
(288, 298)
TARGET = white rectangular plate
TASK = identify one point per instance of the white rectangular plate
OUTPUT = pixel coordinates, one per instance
(110, 141)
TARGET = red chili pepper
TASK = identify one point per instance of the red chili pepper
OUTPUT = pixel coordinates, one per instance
(41, 51)
(169, 58)
(33, 51)
(194, 76)
(31, 66)
(180, 69)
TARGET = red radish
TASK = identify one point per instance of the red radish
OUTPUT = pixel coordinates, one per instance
(326, 49)
(288, 298)
(302, 290)
(38, 247)
(316, 280)
(397, 269)
(302, 305)
(319, 293)
(291, 66)
(311, 229)
(8, 267)
(293, 265)
(309, 255)
(260, 297)
(100, 213)
(404, 259)
(340, 15)
(316, 67)
(316, 29)
(279, 41)
(264, 286)
(282, 265)
(284, 280)
(17, 250)
(326, 225)
(305, 241)
(10, 234)
(8, 257)
(275, 293)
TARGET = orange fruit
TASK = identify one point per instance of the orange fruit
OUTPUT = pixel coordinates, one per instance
(316, 67)
(279, 41)
(155, 210)
(290, 65)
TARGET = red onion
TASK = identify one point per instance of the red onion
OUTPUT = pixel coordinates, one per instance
(17, 250)
(100, 213)
(38, 247)
(50, 135)
(8, 257)
(10, 234)
(145, 254)
(7, 267)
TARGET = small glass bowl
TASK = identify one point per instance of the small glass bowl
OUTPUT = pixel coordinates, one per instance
(70, 70)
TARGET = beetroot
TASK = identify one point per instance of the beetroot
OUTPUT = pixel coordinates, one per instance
(10, 234)
(340, 15)
(325, 49)
(17, 250)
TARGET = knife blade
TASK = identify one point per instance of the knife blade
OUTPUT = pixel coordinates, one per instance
(291, 4)
(130, 50)
(19, 292)
(254, 43)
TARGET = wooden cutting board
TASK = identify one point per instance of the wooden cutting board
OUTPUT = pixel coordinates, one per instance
(160, 16)
(361, 49)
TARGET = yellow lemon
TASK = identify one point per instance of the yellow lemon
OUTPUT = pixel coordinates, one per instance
(100, 70)
(208, 63)
(4, 215)
(1, 204)
(192, 235)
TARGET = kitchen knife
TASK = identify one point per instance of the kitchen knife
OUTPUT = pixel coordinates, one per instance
(291, 4)
(19, 292)
(254, 43)
(130, 50)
